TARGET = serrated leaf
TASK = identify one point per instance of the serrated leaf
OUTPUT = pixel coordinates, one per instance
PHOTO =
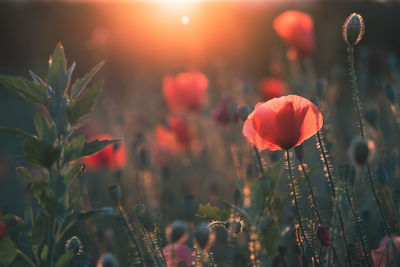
(58, 77)
(80, 84)
(8, 251)
(44, 129)
(72, 173)
(83, 104)
(73, 149)
(40, 153)
(97, 145)
(213, 213)
(29, 90)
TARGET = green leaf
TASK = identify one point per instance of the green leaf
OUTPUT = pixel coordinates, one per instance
(73, 149)
(72, 173)
(44, 129)
(37, 231)
(17, 132)
(43, 254)
(29, 90)
(58, 77)
(80, 84)
(40, 153)
(53, 206)
(97, 145)
(8, 251)
(213, 213)
(83, 104)
(65, 259)
(98, 213)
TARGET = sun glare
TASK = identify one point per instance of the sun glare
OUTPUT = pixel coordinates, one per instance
(185, 20)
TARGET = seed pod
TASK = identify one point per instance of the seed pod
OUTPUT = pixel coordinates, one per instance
(359, 151)
(324, 235)
(115, 193)
(353, 29)
(202, 235)
(108, 260)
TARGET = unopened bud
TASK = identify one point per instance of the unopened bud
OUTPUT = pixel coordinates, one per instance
(115, 193)
(177, 230)
(324, 235)
(202, 235)
(75, 244)
(353, 29)
(108, 260)
(359, 151)
(233, 226)
(139, 210)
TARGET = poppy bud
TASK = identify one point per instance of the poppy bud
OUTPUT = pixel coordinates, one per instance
(177, 230)
(353, 29)
(299, 152)
(371, 116)
(390, 93)
(324, 235)
(359, 151)
(75, 244)
(202, 235)
(234, 226)
(108, 260)
(244, 112)
(115, 193)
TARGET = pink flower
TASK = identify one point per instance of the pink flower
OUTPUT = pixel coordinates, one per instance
(174, 254)
(385, 250)
(186, 91)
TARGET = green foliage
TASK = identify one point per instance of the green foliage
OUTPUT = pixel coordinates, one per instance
(213, 213)
(55, 149)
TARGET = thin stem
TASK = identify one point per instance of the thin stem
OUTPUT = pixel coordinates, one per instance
(358, 110)
(26, 258)
(259, 160)
(314, 202)
(295, 198)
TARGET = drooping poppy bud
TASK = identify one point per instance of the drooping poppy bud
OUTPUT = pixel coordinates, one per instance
(75, 244)
(234, 226)
(323, 235)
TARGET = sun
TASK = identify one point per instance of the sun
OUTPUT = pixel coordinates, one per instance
(185, 20)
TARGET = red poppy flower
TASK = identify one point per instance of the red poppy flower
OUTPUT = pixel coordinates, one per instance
(271, 88)
(297, 30)
(174, 254)
(3, 230)
(112, 157)
(282, 123)
(226, 112)
(181, 130)
(385, 250)
(186, 91)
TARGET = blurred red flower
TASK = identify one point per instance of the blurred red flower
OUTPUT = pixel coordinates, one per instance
(385, 250)
(172, 140)
(297, 30)
(226, 112)
(271, 88)
(186, 91)
(3, 228)
(112, 157)
(282, 123)
(174, 254)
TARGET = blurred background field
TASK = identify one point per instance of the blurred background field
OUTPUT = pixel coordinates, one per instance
(233, 43)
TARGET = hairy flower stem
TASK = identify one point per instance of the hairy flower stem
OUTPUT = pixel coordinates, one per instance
(295, 199)
(314, 202)
(358, 110)
(333, 191)
(357, 221)
(259, 159)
